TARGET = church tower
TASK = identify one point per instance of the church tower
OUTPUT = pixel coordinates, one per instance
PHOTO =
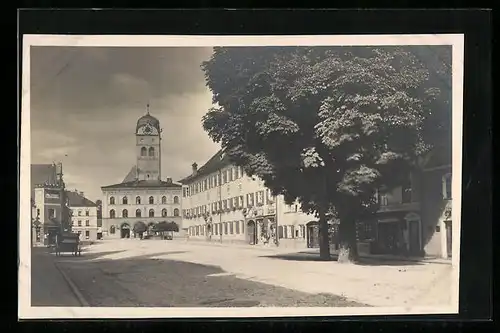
(148, 147)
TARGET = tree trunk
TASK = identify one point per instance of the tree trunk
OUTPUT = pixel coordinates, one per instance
(348, 252)
(324, 242)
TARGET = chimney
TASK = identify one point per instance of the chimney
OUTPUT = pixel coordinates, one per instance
(82, 194)
(169, 180)
(195, 168)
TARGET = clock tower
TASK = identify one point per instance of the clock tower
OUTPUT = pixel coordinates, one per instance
(148, 147)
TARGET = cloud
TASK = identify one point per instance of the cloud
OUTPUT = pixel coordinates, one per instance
(85, 103)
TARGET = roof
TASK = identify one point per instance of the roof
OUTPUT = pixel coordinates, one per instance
(148, 119)
(143, 184)
(215, 163)
(77, 200)
(131, 176)
(41, 174)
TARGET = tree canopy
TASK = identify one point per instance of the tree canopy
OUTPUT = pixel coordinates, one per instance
(328, 126)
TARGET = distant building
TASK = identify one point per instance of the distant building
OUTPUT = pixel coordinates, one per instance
(221, 203)
(142, 197)
(84, 215)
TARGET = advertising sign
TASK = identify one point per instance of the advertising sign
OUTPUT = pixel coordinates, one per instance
(52, 196)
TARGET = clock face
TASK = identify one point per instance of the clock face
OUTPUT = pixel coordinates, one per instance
(148, 130)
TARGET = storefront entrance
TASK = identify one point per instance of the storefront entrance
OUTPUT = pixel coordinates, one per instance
(388, 237)
(312, 234)
(449, 233)
(251, 233)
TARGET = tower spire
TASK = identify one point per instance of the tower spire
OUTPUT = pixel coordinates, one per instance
(147, 108)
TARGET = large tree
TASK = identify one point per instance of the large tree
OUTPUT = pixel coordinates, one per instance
(326, 126)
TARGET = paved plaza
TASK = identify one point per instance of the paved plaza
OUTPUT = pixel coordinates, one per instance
(132, 272)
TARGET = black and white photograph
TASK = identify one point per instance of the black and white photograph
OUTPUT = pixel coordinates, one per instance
(240, 176)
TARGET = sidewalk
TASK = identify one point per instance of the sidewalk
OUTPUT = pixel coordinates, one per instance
(48, 285)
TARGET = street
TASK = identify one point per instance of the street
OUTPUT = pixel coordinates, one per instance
(152, 273)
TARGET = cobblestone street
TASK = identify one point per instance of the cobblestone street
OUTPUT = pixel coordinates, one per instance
(176, 273)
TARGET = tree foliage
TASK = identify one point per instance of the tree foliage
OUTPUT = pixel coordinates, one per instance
(327, 126)
(140, 227)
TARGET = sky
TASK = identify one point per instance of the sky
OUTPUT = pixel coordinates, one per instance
(85, 102)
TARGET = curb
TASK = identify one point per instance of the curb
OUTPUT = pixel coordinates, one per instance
(73, 287)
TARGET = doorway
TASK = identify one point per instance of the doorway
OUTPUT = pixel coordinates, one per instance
(312, 234)
(125, 230)
(414, 235)
(252, 233)
(449, 235)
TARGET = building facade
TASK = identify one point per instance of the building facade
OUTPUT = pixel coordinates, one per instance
(83, 215)
(221, 203)
(48, 202)
(142, 197)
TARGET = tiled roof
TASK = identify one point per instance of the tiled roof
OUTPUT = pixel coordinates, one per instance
(77, 200)
(143, 184)
(131, 176)
(215, 163)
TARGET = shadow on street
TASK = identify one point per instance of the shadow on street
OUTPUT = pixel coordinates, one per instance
(146, 281)
(362, 261)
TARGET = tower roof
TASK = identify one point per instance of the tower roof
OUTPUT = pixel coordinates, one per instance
(148, 119)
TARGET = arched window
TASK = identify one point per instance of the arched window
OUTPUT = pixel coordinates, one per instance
(163, 199)
(176, 200)
(164, 212)
(137, 213)
(151, 213)
(112, 200)
(176, 212)
(144, 151)
(125, 213)
(112, 214)
(124, 200)
(151, 152)
(137, 200)
(112, 229)
(151, 200)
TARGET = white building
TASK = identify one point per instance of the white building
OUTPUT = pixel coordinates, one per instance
(84, 215)
(221, 203)
(142, 197)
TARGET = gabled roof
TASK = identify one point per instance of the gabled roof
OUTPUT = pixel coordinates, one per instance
(41, 174)
(215, 163)
(77, 200)
(143, 184)
(131, 176)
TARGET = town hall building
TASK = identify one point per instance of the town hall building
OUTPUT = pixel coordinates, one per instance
(142, 197)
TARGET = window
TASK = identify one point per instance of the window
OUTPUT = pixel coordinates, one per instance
(151, 152)
(176, 212)
(447, 187)
(163, 199)
(224, 177)
(230, 175)
(164, 212)
(125, 213)
(176, 200)
(38, 212)
(87, 234)
(151, 213)
(112, 214)
(225, 228)
(125, 201)
(231, 230)
(216, 229)
(303, 230)
(151, 200)
(87, 223)
(237, 227)
(144, 151)
(137, 200)
(292, 231)
(137, 213)
(406, 190)
(112, 200)
(79, 223)
(79, 213)
(87, 213)
(112, 229)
